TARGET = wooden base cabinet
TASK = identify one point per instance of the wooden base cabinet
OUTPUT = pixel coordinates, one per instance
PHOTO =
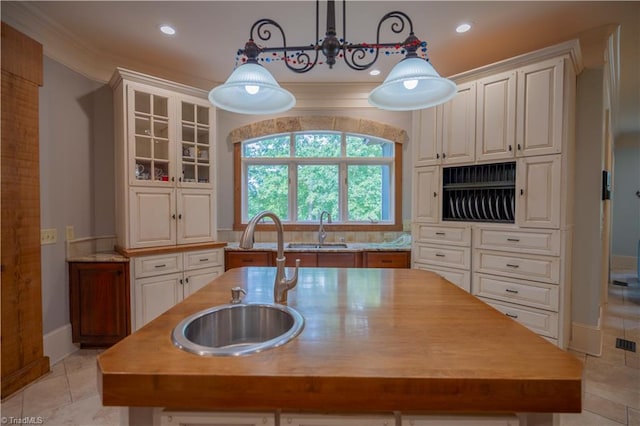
(99, 302)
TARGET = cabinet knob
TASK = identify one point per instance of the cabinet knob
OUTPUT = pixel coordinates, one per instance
(180, 216)
(435, 194)
(521, 191)
(444, 155)
(510, 148)
(173, 216)
(519, 147)
(437, 155)
(173, 179)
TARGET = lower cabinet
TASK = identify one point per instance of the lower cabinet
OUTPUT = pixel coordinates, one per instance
(161, 281)
(325, 259)
(175, 418)
(99, 302)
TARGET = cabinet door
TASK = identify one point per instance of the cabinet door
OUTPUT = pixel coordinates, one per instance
(151, 136)
(195, 216)
(540, 108)
(154, 295)
(339, 260)
(427, 134)
(196, 148)
(459, 126)
(99, 302)
(496, 117)
(538, 192)
(239, 259)
(426, 194)
(152, 217)
(459, 277)
(387, 259)
(195, 280)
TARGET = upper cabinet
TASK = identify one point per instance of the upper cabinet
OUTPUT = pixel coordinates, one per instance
(165, 156)
(446, 133)
(539, 122)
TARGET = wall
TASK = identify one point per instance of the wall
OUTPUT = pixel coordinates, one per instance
(76, 174)
(229, 121)
(626, 205)
(586, 297)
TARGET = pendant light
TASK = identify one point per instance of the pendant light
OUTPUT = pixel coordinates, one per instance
(412, 84)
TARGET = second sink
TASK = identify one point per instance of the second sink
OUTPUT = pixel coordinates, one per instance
(239, 329)
(316, 246)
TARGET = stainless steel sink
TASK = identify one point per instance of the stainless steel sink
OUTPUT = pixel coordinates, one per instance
(316, 246)
(237, 329)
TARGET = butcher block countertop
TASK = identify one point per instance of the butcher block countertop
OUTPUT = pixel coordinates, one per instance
(374, 340)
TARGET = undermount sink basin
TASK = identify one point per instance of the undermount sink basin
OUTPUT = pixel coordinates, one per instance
(316, 246)
(237, 329)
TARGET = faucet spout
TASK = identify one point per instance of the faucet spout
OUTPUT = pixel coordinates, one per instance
(322, 235)
(282, 284)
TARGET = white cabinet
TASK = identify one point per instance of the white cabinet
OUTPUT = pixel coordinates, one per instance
(161, 281)
(459, 126)
(496, 117)
(538, 185)
(165, 153)
(461, 420)
(208, 418)
(540, 108)
(287, 419)
(426, 194)
(445, 250)
(446, 134)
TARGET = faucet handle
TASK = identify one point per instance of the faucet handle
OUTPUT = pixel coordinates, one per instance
(235, 295)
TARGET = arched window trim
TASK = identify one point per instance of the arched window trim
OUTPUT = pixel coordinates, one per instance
(282, 125)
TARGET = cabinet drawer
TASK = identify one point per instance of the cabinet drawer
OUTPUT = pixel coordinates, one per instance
(456, 257)
(528, 267)
(546, 242)
(458, 235)
(149, 266)
(386, 259)
(459, 277)
(542, 322)
(238, 259)
(537, 295)
(203, 259)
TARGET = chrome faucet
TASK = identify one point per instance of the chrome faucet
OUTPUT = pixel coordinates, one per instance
(282, 284)
(321, 234)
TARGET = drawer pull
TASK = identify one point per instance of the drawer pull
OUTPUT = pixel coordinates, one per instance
(206, 259)
(247, 260)
(511, 315)
(440, 233)
(511, 265)
(386, 261)
(440, 255)
(515, 240)
(511, 291)
(161, 266)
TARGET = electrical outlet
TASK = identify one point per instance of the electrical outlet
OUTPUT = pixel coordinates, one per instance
(70, 233)
(406, 225)
(48, 236)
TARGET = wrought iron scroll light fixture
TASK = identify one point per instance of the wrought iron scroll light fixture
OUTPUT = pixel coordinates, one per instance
(412, 84)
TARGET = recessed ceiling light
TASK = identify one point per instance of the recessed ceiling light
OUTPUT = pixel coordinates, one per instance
(167, 29)
(374, 72)
(463, 28)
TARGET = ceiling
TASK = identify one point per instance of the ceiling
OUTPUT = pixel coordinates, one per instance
(92, 37)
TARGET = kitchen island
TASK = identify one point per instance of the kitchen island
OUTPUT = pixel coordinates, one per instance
(375, 340)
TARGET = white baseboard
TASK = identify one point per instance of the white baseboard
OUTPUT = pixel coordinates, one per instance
(586, 339)
(624, 262)
(58, 344)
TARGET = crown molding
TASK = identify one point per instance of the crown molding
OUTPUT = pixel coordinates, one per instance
(64, 47)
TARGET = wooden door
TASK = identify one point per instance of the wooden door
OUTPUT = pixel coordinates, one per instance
(23, 359)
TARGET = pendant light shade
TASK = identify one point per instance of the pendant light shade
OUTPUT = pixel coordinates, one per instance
(412, 84)
(251, 89)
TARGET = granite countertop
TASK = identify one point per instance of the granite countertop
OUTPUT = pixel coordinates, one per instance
(99, 257)
(351, 247)
(374, 339)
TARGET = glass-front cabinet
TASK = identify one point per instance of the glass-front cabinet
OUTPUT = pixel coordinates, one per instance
(171, 140)
(194, 137)
(165, 157)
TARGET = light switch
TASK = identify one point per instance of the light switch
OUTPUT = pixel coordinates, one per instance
(70, 233)
(48, 236)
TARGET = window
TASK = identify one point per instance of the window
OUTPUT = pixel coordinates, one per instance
(299, 175)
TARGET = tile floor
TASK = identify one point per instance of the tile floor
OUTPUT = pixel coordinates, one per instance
(68, 394)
